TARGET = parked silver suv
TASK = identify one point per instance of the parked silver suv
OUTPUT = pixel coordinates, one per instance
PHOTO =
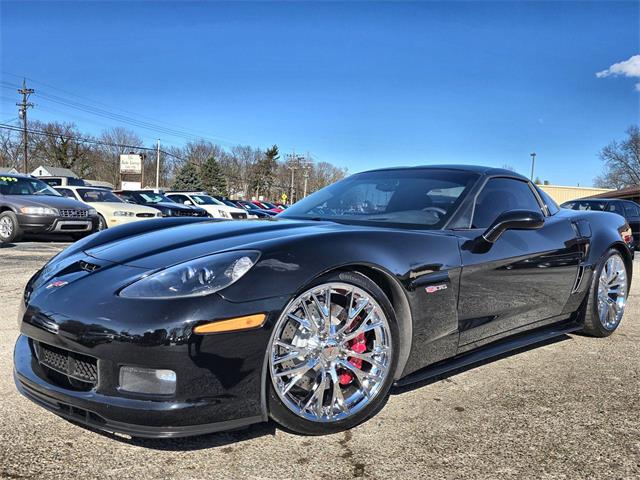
(28, 205)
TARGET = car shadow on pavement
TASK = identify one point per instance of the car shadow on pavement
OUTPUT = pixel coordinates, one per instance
(452, 373)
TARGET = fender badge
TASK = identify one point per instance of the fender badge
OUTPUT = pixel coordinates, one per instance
(56, 284)
(435, 288)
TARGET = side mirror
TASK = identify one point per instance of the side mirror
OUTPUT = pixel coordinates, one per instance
(513, 220)
(188, 202)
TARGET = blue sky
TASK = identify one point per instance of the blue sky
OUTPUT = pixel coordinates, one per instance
(361, 85)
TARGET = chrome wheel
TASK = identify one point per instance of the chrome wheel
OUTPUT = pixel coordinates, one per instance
(331, 352)
(6, 227)
(612, 292)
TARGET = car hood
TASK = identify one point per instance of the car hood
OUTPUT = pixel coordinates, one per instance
(45, 201)
(168, 246)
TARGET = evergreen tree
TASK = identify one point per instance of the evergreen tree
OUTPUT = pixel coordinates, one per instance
(187, 178)
(264, 172)
(213, 180)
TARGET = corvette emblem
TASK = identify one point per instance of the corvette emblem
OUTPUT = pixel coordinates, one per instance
(435, 288)
(56, 284)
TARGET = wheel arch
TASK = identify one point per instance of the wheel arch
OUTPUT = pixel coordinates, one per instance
(6, 208)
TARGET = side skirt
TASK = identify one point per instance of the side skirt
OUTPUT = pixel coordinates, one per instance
(492, 350)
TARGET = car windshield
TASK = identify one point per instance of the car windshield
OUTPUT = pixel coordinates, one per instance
(417, 198)
(267, 204)
(229, 203)
(25, 186)
(151, 197)
(97, 195)
(205, 200)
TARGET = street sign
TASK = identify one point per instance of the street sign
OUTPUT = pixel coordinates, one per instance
(131, 164)
(131, 185)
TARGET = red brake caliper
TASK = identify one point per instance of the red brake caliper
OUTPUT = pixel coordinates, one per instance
(358, 345)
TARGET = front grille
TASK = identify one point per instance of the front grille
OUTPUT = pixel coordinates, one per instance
(145, 215)
(238, 216)
(190, 213)
(72, 365)
(74, 213)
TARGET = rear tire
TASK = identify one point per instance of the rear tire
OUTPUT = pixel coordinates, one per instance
(10, 230)
(607, 296)
(333, 411)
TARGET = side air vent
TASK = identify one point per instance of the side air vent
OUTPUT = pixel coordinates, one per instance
(88, 267)
(578, 281)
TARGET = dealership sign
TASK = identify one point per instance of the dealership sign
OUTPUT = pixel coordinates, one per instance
(131, 163)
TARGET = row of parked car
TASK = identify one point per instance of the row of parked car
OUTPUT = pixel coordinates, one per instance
(29, 205)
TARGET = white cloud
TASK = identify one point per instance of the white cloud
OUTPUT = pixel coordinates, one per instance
(627, 68)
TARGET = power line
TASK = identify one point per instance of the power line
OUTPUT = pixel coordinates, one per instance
(170, 129)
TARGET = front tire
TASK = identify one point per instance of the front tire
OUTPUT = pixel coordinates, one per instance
(332, 355)
(607, 296)
(10, 230)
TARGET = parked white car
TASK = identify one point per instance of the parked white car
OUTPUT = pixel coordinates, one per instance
(112, 211)
(214, 207)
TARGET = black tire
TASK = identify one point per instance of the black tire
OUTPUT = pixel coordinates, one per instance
(281, 414)
(102, 223)
(15, 234)
(592, 325)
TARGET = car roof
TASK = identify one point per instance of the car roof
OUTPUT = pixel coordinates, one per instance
(178, 192)
(479, 169)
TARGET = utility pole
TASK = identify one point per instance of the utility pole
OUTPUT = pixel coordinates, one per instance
(533, 163)
(158, 167)
(22, 113)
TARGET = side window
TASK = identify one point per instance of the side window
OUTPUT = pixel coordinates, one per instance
(552, 206)
(66, 192)
(178, 198)
(500, 195)
(630, 209)
(615, 207)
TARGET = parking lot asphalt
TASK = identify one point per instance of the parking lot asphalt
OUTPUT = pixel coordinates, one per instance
(566, 409)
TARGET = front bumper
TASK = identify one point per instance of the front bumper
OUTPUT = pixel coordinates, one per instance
(112, 414)
(54, 224)
(114, 221)
(220, 378)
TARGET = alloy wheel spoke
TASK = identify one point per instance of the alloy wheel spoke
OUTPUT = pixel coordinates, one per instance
(367, 357)
(290, 356)
(303, 322)
(337, 397)
(300, 369)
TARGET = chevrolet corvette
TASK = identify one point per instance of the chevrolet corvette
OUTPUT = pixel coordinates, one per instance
(185, 326)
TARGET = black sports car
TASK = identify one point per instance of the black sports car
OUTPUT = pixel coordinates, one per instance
(184, 326)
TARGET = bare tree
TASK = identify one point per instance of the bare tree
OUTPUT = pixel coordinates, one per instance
(60, 146)
(11, 151)
(622, 162)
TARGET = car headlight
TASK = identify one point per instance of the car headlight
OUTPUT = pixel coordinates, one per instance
(194, 278)
(223, 214)
(39, 211)
(122, 213)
